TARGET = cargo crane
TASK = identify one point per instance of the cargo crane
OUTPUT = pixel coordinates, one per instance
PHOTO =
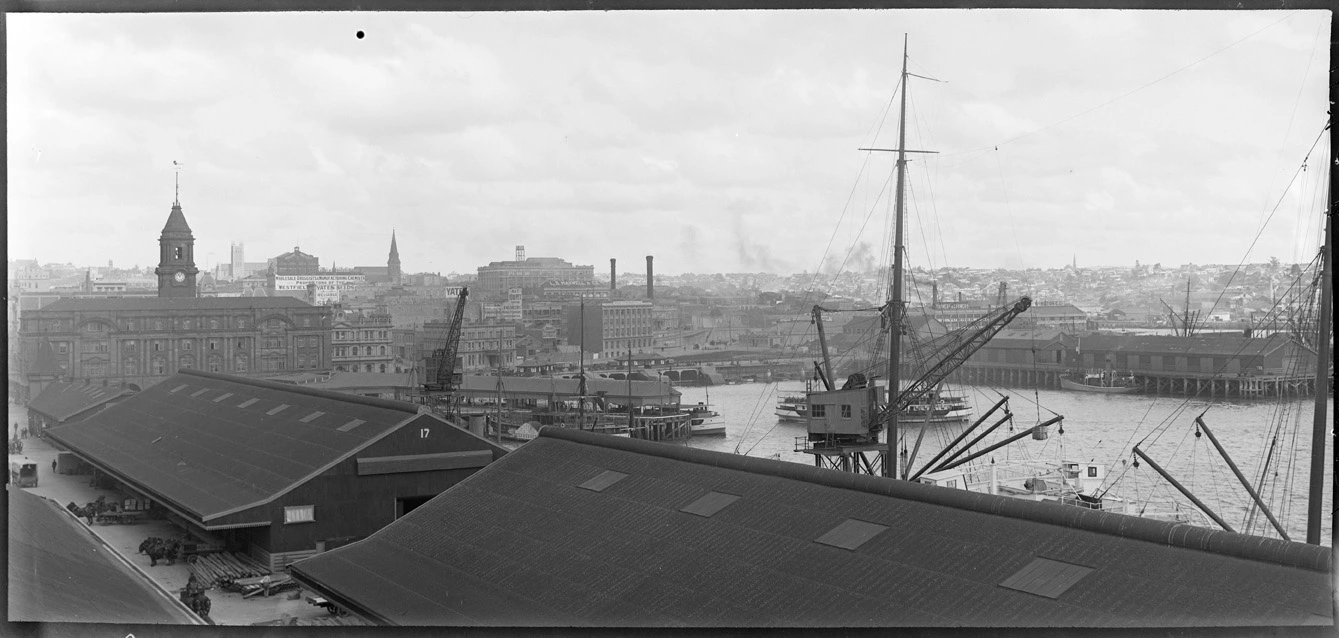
(440, 378)
(844, 425)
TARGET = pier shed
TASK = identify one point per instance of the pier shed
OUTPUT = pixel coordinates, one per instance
(60, 572)
(280, 472)
(1227, 355)
(580, 529)
(64, 402)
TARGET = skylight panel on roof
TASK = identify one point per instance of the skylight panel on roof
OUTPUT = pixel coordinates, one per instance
(177, 389)
(851, 534)
(311, 417)
(709, 504)
(603, 481)
(222, 396)
(199, 392)
(277, 410)
(248, 403)
(350, 425)
(1046, 577)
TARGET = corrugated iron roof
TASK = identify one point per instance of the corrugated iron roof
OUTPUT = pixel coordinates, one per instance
(215, 458)
(521, 543)
(1217, 345)
(60, 572)
(62, 400)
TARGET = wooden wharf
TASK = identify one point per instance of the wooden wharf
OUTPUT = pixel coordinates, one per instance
(1207, 385)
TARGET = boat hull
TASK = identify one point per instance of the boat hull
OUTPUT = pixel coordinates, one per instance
(1066, 384)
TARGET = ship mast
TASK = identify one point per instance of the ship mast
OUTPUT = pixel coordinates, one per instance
(895, 302)
(894, 307)
(1316, 493)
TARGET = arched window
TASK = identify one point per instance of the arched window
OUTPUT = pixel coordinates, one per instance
(381, 351)
(383, 367)
(159, 365)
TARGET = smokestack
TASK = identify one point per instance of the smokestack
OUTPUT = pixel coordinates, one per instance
(613, 274)
(650, 279)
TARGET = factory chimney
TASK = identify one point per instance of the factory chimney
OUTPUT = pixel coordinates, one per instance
(613, 274)
(650, 280)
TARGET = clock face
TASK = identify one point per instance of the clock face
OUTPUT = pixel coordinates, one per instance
(179, 277)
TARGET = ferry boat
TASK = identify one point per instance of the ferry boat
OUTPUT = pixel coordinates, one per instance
(1100, 382)
(947, 408)
(704, 421)
(793, 408)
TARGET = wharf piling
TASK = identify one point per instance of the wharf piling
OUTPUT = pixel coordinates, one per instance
(1257, 386)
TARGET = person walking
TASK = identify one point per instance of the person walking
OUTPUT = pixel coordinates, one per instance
(53, 466)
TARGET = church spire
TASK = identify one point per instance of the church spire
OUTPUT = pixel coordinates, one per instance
(393, 263)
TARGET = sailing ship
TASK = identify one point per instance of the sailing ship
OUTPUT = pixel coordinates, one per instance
(844, 425)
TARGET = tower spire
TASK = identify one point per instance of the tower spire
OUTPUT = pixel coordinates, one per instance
(393, 262)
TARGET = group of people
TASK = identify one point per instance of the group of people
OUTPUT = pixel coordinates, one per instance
(20, 433)
(194, 597)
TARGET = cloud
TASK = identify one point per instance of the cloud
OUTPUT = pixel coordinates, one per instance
(733, 134)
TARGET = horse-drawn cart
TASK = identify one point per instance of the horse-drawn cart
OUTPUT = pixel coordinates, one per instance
(119, 517)
(334, 609)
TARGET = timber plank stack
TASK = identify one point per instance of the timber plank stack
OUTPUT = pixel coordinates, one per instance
(224, 568)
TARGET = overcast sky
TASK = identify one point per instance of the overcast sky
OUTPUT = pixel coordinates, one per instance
(716, 141)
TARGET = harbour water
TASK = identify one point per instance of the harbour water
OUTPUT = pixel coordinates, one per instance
(1097, 428)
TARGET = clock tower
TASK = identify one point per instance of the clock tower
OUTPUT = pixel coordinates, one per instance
(176, 257)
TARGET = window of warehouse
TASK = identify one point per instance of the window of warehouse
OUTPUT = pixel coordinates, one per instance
(300, 514)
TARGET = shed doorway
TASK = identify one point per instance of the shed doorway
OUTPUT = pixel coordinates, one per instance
(406, 505)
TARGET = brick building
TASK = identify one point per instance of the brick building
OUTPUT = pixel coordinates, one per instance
(141, 341)
(532, 273)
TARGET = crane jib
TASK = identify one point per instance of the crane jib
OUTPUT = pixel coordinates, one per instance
(954, 359)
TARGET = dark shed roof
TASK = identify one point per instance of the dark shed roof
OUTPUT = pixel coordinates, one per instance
(62, 400)
(214, 444)
(527, 541)
(60, 572)
(1217, 345)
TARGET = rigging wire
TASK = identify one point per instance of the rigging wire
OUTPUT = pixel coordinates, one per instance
(1009, 208)
(810, 289)
(1263, 226)
(1121, 96)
